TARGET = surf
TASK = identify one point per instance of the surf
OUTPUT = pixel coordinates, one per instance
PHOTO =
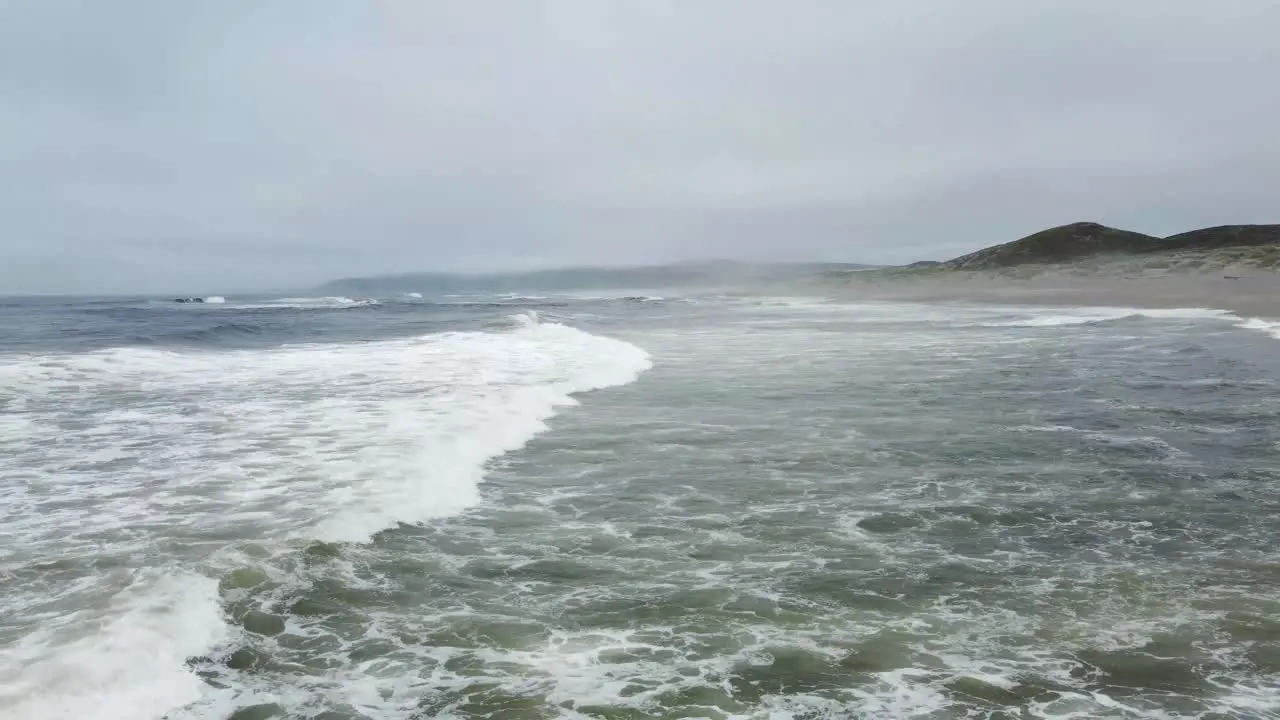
(328, 442)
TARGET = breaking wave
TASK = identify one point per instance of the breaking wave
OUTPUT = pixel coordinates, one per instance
(330, 442)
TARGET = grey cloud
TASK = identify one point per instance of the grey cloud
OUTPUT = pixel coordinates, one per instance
(152, 145)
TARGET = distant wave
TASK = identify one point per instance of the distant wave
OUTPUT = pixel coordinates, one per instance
(1044, 318)
(331, 301)
(621, 298)
(212, 335)
(290, 303)
(305, 303)
(507, 299)
(199, 300)
(1058, 317)
(548, 304)
(528, 318)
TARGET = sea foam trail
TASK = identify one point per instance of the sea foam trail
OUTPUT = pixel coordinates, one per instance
(1056, 317)
(139, 455)
(305, 303)
(1091, 315)
(1272, 328)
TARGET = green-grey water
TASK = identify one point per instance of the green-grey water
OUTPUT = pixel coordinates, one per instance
(758, 508)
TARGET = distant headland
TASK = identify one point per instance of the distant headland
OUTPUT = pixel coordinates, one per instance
(1228, 267)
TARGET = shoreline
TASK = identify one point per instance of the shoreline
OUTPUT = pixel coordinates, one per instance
(1253, 294)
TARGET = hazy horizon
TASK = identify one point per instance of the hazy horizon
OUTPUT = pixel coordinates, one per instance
(154, 148)
(388, 281)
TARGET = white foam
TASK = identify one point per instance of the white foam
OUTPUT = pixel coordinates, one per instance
(125, 661)
(331, 301)
(966, 315)
(215, 300)
(305, 303)
(1055, 317)
(1272, 328)
(1186, 313)
(334, 442)
(528, 318)
(388, 432)
(1045, 317)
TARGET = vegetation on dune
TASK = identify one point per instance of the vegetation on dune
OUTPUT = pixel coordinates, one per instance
(1057, 245)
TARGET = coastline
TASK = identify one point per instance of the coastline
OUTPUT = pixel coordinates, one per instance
(1252, 293)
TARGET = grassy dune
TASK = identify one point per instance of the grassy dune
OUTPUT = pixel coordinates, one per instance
(1089, 249)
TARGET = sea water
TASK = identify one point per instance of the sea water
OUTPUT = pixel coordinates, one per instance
(633, 506)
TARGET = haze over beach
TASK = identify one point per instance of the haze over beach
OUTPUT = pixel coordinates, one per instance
(626, 360)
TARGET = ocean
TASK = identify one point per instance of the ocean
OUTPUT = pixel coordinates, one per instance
(629, 506)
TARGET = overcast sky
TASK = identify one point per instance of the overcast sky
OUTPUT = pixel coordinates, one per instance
(226, 144)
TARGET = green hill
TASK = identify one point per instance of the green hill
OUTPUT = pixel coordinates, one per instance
(1081, 240)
